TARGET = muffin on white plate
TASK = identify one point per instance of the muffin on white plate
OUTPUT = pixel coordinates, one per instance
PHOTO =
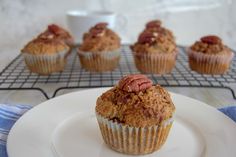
(135, 116)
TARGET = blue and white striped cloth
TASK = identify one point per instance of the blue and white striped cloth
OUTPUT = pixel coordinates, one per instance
(8, 116)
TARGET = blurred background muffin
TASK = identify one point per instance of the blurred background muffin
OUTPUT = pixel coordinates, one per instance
(210, 56)
(100, 49)
(45, 54)
(135, 109)
(58, 33)
(155, 51)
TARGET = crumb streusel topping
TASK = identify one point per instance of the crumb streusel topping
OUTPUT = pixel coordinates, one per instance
(210, 44)
(149, 106)
(100, 39)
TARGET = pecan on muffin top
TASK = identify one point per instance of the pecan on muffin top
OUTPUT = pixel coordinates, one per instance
(210, 44)
(58, 33)
(100, 39)
(153, 42)
(156, 26)
(136, 102)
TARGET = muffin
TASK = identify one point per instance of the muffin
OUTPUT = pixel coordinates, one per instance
(210, 56)
(45, 55)
(135, 116)
(100, 49)
(156, 50)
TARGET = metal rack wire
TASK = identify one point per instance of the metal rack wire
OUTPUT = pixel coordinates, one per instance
(16, 76)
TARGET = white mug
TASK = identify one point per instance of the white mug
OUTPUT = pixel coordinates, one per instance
(80, 21)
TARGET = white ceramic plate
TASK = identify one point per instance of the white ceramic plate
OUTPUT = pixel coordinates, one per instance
(66, 127)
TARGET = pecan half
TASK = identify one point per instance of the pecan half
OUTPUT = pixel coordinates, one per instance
(147, 37)
(98, 29)
(55, 29)
(211, 39)
(153, 24)
(96, 32)
(101, 25)
(134, 83)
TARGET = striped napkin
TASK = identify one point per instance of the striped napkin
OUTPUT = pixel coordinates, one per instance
(229, 111)
(10, 114)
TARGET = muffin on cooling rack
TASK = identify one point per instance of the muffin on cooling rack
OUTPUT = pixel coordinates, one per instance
(100, 49)
(156, 50)
(45, 55)
(210, 56)
(135, 116)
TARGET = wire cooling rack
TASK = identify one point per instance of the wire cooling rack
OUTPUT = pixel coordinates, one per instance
(16, 76)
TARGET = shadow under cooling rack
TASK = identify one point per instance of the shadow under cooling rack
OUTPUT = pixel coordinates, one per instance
(16, 76)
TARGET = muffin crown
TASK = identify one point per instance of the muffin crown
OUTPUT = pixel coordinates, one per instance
(155, 39)
(98, 30)
(146, 106)
(156, 26)
(58, 33)
(45, 45)
(210, 44)
(150, 38)
(211, 39)
(100, 39)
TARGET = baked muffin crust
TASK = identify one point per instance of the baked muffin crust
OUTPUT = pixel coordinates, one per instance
(100, 39)
(147, 107)
(210, 44)
(155, 39)
(58, 33)
(45, 46)
(153, 42)
(156, 26)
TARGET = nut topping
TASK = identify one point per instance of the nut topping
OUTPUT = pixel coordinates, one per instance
(134, 83)
(98, 29)
(211, 39)
(153, 24)
(101, 25)
(147, 37)
(55, 29)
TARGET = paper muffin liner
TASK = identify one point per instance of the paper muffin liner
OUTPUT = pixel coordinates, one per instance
(209, 63)
(47, 63)
(99, 62)
(133, 140)
(158, 63)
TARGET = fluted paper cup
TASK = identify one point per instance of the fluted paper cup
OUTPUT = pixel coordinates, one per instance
(158, 63)
(47, 63)
(209, 63)
(100, 61)
(133, 140)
